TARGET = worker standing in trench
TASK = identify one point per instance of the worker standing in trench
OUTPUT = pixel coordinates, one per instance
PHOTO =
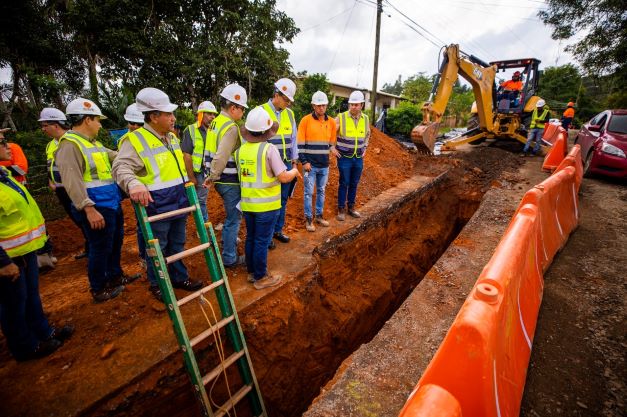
(353, 134)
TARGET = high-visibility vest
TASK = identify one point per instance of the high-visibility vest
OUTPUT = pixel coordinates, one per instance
(200, 146)
(351, 140)
(22, 228)
(537, 121)
(260, 192)
(219, 126)
(53, 169)
(101, 188)
(165, 175)
(283, 137)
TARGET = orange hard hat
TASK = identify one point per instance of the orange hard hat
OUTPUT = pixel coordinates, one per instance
(571, 104)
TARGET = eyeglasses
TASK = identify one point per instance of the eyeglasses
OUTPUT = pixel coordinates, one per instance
(237, 106)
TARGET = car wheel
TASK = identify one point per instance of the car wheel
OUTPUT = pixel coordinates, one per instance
(587, 163)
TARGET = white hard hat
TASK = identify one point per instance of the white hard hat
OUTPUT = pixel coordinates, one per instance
(540, 103)
(206, 107)
(50, 114)
(133, 115)
(286, 87)
(236, 94)
(153, 99)
(83, 107)
(319, 98)
(258, 120)
(356, 97)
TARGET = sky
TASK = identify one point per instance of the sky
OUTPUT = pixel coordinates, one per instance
(337, 36)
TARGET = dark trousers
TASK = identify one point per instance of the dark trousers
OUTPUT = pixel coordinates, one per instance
(66, 203)
(22, 317)
(171, 234)
(259, 229)
(285, 194)
(350, 172)
(105, 247)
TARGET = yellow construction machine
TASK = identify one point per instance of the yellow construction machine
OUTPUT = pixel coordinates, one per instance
(494, 119)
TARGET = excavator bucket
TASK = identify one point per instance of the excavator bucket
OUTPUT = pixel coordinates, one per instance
(424, 136)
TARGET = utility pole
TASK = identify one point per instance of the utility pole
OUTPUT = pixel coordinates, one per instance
(373, 94)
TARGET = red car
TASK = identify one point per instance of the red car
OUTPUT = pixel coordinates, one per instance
(603, 142)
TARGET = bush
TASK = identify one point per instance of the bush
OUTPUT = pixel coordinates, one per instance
(401, 120)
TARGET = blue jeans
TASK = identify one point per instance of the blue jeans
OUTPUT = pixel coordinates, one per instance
(171, 235)
(202, 192)
(22, 317)
(105, 247)
(231, 195)
(319, 177)
(259, 228)
(534, 134)
(285, 194)
(350, 172)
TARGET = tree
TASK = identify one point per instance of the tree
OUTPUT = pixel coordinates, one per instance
(306, 86)
(417, 87)
(396, 88)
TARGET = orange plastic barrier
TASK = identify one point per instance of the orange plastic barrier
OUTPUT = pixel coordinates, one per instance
(482, 362)
(573, 159)
(551, 132)
(558, 151)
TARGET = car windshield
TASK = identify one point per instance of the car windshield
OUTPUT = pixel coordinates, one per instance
(618, 124)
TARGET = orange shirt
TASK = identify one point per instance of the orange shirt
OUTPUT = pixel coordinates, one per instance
(315, 137)
(17, 158)
(569, 112)
(512, 85)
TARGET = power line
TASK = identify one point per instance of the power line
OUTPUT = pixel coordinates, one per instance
(328, 20)
(342, 38)
(419, 26)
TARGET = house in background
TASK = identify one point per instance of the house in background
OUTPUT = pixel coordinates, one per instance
(384, 100)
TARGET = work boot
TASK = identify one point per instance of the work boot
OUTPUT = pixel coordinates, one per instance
(156, 292)
(123, 279)
(62, 333)
(281, 237)
(272, 245)
(353, 213)
(341, 214)
(267, 281)
(309, 225)
(107, 294)
(45, 261)
(80, 256)
(43, 349)
(188, 285)
(251, 277)
(240, 260)
(321, 221)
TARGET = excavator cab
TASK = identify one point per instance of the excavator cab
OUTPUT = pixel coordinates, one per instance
(514, 102)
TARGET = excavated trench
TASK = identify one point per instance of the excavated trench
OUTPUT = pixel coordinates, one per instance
(299, 334)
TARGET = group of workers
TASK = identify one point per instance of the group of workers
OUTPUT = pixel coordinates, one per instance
(252, 166)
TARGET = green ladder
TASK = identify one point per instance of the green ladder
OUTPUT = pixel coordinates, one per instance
(229, 319)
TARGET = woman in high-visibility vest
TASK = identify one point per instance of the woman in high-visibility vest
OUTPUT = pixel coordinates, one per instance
(261, 171)
(22, 233)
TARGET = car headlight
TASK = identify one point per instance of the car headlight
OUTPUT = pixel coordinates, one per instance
(612, 150)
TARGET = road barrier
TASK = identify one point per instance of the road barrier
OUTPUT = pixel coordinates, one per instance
(558, 151)
(481, 365)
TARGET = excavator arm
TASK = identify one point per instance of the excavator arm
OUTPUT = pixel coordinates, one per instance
(479, 74)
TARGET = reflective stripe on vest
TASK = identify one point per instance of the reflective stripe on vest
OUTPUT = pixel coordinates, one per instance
(260, 192)
(200, 144)
(97, 166)
(219, 126)
(283, 138)
(535, 120)
(164, 167)
(53, 169)
(22, 228)
(351, 139)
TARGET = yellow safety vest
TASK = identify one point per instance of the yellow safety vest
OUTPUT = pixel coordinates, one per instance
(200, 145)
(260, 192)
(219, 126)
(22, 228)
(53, 170)
(283, 137)
(97, 165)
(351, 139)
(535, 120)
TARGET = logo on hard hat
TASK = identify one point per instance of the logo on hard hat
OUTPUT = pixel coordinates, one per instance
(268, 122)
(87, 104)
(237, 97)
(284, 88)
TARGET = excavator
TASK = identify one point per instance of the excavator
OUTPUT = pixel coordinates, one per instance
(505, 118)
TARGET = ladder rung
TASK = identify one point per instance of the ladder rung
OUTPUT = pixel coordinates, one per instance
(233, 400)
(187, 252)
(202, 336)
(198, 293)
(216, 371)
(172, 213)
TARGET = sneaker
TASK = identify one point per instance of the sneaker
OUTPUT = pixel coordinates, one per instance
(272, 245)
(309, 226)
(107, 294)
(156, 292)
(43, 349)
(341, 214)
(321, 221)
(353, 213)
(62, 333)
(251, 277)
(188, 285)
(241, 260)
(267, 281)
(124, 279)
(281, 237)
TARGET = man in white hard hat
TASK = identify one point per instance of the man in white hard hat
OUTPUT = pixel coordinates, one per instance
(54, 124)
(261, 170)
(539, 117)
(195, 151)
(316, 135)
(223, 141)
(285, 140)
(156, 180)
(85, 167)
(352, 140)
